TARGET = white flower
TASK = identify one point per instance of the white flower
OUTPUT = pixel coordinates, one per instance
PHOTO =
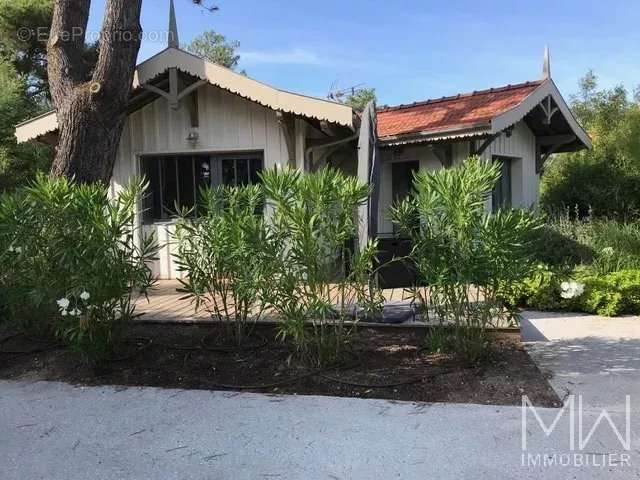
(63, 303)
(571, 289)
(63, 313)
(11, 249)
(18, 249)
(85, 296)
(607, 251)
(75, 312)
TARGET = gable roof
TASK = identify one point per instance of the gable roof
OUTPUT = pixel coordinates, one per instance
(216, 75)
(479, 113)
(448, 113)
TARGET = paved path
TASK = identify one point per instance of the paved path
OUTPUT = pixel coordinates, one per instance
(595, 357)
(56, 431)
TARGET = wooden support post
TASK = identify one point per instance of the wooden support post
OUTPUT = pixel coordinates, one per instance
(288, 128)
(444, 153)
(554, 142)
(548, 110)
(480, 150)
(174, 95)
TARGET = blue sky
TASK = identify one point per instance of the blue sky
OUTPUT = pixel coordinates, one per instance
(413, 50)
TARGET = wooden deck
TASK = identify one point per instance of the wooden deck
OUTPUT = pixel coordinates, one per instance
(166, 304)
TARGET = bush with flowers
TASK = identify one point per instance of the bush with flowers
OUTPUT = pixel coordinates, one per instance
(74, 259)
(580, 290)
(586, 265)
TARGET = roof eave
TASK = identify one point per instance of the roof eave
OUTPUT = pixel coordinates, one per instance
(221, 77)
(430, 136)
(512, 116)
(36, 127)
(241, 85)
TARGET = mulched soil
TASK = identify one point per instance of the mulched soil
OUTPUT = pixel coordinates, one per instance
(380, 363)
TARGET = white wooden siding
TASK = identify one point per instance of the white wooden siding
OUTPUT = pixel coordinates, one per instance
(227, 123)
(520, 146)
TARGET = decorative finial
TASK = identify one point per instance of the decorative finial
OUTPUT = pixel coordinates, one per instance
(546, 66)
(174, 41)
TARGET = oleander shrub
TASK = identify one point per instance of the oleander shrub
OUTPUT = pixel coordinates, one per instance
(462, 253)
(320, 281)
(74, 262)
(225, 252)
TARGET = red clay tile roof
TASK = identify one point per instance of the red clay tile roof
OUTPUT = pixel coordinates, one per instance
(450, 113)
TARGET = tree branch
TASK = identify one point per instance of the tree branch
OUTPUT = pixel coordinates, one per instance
(65, 48)
(119, 45)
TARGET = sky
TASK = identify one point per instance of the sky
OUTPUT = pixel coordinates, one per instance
(411, 50)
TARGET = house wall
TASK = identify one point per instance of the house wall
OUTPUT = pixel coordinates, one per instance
(428, 161)
(521, 146)
(227, 122)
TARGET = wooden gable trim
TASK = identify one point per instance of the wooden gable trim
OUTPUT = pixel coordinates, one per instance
(546, 92)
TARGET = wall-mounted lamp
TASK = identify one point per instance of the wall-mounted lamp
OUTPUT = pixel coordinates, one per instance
(193, 137)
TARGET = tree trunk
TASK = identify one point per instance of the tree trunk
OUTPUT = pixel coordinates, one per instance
(91, 113)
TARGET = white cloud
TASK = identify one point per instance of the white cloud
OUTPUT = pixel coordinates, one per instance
(296, 56)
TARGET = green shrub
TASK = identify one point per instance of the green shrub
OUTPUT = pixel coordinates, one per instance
(73, 261)
(553, 246)
(593, 181)
(225, 253)
(605, 245)
(603, 181)
(462, 253)
(611, 295)
(319, 282)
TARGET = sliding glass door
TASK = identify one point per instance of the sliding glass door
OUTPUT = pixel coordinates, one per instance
(175, 180)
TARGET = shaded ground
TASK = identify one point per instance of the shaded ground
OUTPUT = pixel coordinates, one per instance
(380, 363)
(595, 357)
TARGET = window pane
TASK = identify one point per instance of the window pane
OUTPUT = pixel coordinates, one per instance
(203, 170)
(228, 171)
(202, 167)
(501, 197)
(169, 186)
(186, 182)
(255, 167)
(242, 171)
(151, 205)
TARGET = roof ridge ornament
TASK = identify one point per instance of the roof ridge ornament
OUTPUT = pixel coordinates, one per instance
(546, 65)
(173, 40)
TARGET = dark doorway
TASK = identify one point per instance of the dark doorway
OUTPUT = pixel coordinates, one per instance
(402, 179)
(398, 274)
